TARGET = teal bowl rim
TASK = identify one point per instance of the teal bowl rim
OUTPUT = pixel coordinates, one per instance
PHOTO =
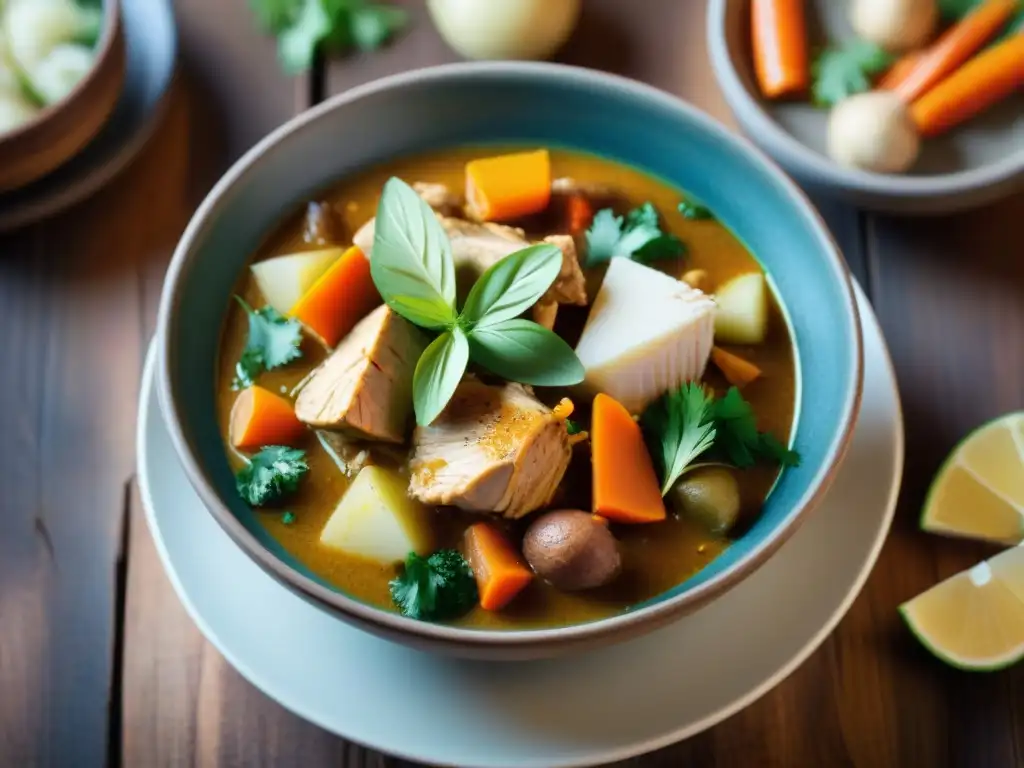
(994, 179)
(525, 641)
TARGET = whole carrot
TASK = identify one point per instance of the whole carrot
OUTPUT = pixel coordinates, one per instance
(956, 46)
(899, 71)
(779, 37)
(983, 81)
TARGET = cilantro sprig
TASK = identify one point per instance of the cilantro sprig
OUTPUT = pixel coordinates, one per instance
(844, 71)
(412, 267)
(689, 422)
(273, 341)
(436, 588)
(271, 475)
(695, 211)
(302, 27)
(637, 236)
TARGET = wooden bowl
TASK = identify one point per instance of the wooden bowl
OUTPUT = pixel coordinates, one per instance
(974, 164)
(62, 129)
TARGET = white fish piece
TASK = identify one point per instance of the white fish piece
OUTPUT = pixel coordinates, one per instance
(647, 333)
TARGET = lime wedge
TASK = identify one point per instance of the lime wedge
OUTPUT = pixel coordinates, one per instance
(974, 620)
(979, 492)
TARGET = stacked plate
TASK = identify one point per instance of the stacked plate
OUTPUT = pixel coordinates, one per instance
(79, 86)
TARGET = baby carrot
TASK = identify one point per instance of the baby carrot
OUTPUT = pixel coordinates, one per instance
(955, 47)
(625, 486)
(737, 371)
(500, 572)
(779, 37)
(259, 417)
(986, 79)
(341, 297)
(508, 186)
(898, 72)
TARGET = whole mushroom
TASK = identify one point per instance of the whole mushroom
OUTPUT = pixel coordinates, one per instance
(873, 131)
(896, 25)
(572, 550)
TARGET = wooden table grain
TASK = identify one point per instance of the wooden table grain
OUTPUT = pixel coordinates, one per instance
(99, 663)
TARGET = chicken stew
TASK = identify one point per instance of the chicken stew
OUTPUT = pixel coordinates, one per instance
(505, 388)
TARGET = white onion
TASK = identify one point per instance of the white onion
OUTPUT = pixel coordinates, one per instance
(505, 29)
(896, 25)
(14, 111)
(873, 131)
(36, 27)
(56, 75)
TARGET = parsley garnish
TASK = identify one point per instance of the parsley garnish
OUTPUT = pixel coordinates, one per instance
(273, 341)
(288, 518)
(304, 26)
(679, 429)
(436, 588)
(738, 438)
(682, 425)
(695, 211)
(572, 427)
(271, 475)
(637, 236)
(842, 72)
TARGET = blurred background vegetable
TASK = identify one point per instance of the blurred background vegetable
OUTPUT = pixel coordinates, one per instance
(505, 29)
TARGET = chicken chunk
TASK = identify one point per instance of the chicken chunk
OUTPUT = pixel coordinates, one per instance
(494, 449)
(364, 388)
(437, 196)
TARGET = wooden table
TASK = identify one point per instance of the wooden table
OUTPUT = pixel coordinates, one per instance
(98, 661)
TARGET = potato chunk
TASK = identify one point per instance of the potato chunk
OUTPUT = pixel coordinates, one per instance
(742, 316)
(377, 520)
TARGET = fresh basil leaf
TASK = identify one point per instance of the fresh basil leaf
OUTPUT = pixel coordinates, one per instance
(438, 372)
(297, 44)
(412, 263)
(512, 284)
(520, 350)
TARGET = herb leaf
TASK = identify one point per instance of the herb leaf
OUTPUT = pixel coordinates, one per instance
(512, 285)
(572, 427)
(273, 341)
(271, 475)
(297, 44)
(695, 211)
(438, 372)
(738, 438)
(371, 26)
(954, 10)
(842, 72)
(637, 236)
(412, 263)
(521, 350)
(436, 588)
(678, 429)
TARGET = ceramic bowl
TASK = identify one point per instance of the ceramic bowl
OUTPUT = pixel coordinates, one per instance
(58, 132)
(977, 163)
(537, 104)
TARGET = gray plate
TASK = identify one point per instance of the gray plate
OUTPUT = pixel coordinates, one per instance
(151, 39)
(977, 163)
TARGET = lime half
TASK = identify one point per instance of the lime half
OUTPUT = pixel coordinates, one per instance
(974, 620)
(979, 492)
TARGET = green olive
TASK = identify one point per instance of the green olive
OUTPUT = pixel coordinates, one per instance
(709, 496)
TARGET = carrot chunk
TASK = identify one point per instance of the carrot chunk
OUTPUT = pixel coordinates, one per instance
(625, 486)
(259, 417)
(737, 371)
(342, 296)
(580, 214)
(779, 36)
(951, 50)
(983, 81)
(508, 186)
(500, 572)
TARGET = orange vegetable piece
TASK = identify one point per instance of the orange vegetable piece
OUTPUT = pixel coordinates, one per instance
(580, 214)
(508, 186)
(500, 571)
(626, 487)
(955, 47)
(342, 296)
(779, 37)
(898, 72)
(986, 79)
(737, 371)
(259, 418)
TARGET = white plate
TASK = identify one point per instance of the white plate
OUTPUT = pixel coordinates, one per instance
(151, 40)
(570, 712)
